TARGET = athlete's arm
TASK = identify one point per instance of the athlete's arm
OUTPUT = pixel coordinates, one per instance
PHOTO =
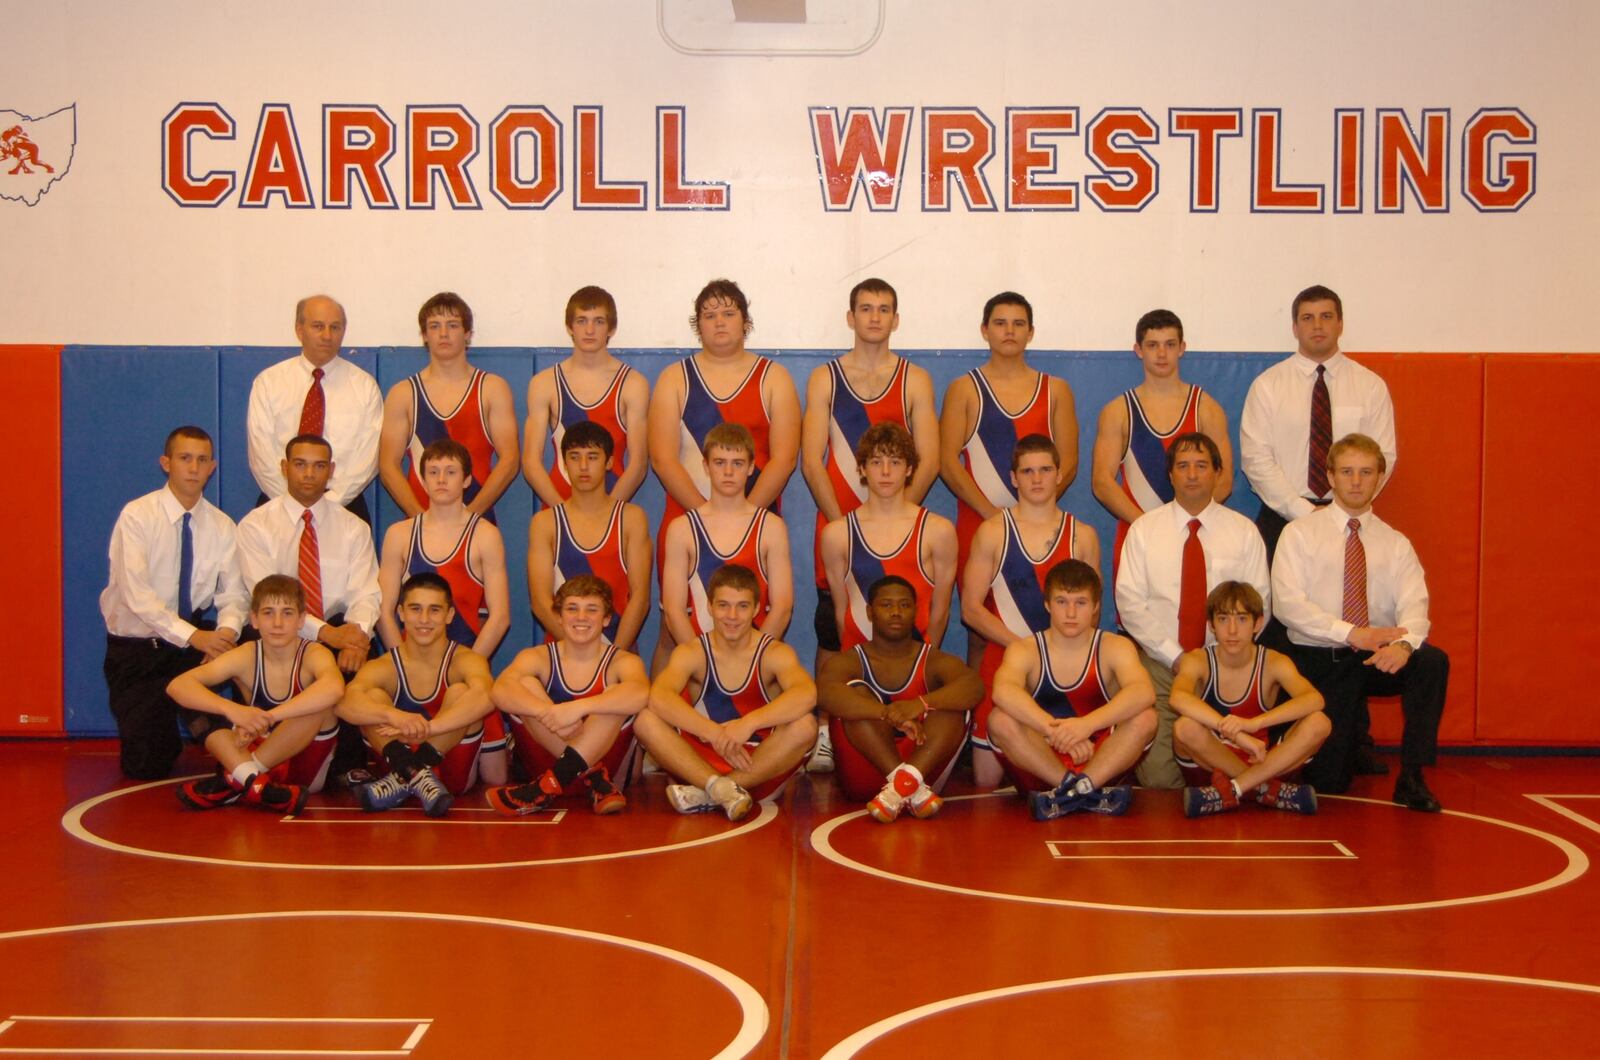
(798, 693)
(1194, 667)
(939, 557)
(780, 577)
(1120, 660)
(637, 554)
(471, 670)
(837, 696)
(1019, 670)
(667, 702)
(1303, 697)
(192, 690)
(393, 440)
(369, 700)
(955, 427)
(1087, 545)
(541, 571)
(835, 559)
(954, 684)
(536, 433)
(520, 687)
(1110, 442)
(322, 693)
(502, 430)
(982, 563)
(489, 557)
(783, 436)
(665, 427)
(391, 572)
(814, 431)
(1064, 430)
(675, 553)
(635, 408)
(627, 690)
(923, 423)
(1213, 422)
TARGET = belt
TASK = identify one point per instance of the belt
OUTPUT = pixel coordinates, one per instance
(151, 642)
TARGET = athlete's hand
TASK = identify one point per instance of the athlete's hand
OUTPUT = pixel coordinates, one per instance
(212, 643)
(412, 728)
(906, 716)
(251, 723)
(1060, 739)
(351, 659)
(1391, 658)
(1232, 725)
(1371, 638)
(1253, 746)
(729, 743)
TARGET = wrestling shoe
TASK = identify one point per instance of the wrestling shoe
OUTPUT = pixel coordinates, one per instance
(821, 760)
(1216, 797)
(209, 793)
(886, 805)
(1064, 799)
(734, 800)
(686, 798)
(519, 800)
(924, 803)
(1109, 802)
(385, 793)
(287, 799)
(1281, 795)
(435, 797)
(604, 798)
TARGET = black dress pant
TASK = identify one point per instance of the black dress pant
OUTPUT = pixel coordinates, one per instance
(1345, 682)
(137, 670)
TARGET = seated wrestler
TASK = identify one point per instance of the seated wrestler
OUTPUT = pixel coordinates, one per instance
(274, 745)
(571, 702)
(1227, 738)
(1073, 706)
(750, 723)
(897, 709)
(421, 706)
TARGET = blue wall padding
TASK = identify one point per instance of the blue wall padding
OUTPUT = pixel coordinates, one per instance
(119, 403)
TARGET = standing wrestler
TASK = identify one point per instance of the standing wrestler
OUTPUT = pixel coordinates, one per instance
(591, 532)
(272, 748)
(1002, 587)
(723, 383)
(421, 706)
(750, 721)
(448, 399)
(593, 386)
(572, 701)
(898, 709)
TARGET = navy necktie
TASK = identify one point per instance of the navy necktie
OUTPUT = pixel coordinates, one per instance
(185, 570)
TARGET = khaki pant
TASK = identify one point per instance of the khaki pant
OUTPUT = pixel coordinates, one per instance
(1158, 768)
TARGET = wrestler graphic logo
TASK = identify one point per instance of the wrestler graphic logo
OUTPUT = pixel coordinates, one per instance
(35, 152)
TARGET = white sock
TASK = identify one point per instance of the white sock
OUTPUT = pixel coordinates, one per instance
(1234, 784)
(712, 781)
(1083, 787)
(246, 771)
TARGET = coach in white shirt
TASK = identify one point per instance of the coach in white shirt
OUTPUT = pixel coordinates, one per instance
(305, 535)
(317, 392)
(1172, 558)
(1288, 423)
(173, 556)
(1351, 591)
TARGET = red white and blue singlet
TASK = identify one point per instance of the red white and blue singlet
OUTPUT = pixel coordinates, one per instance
(849, 416)
(707, 559)
(607, 412)
(722, 702)
(308, 767)
(987, 452)
(1142, 474)
(459, 770)
(866, 567)
(1087, 693)
(467, 423)
(605, 560)
(466, 584)
(1250, 704)
(857, 777)
(536, 759)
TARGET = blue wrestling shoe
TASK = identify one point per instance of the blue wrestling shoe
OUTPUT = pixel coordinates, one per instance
(435, 797)
(1065, 799)
(385, 793)
(1110, 802)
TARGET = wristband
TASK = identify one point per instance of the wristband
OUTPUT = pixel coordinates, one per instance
(925, 708)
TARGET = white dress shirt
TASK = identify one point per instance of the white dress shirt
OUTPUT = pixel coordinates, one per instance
(269, 543)
(1308, 579)
(1275, 430)
(141, 597)
(1150, 572)
(352, 424)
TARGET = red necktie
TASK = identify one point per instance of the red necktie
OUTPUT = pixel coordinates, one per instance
(1321, 436)
(1355, 577)
(310, 567)
(315, 410)
(1192, 592)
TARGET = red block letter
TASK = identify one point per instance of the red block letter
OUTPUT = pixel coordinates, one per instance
(1267, 195)
(1423, 163)
(1205, 130)
(1347, 159)
(357, 142)
(212, 187)
(957, 142)
(276, 165)
(594, 192)
(673, 192)
(1024, 158)
(540, 128)
(440, 141)
(864, 151)
(1503, 184)
(1131, 176)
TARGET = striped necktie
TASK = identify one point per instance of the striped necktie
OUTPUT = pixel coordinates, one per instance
(310, 567)
(1355, 577)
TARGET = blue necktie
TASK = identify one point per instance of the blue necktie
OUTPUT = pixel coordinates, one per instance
(185, 570)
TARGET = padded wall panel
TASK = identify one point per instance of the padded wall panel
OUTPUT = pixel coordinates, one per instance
(1538, 634)
(32, 543)
(117, 406)
(1434, 499)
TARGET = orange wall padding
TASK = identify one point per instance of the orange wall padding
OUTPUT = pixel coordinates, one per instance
(30, 539)
(1537, 619)
(1434, 499)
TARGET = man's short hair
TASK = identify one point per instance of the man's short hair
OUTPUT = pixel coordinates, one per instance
(873, 285)
(426, 580)
(278, 587)
(592, 297)
(587, 434)
(729, 436)
(721, 290)
(1230, 598)
(445, 449)
(733, 576)
(1361, 444)
(1315, 293)
(1072, 576)
(445, 303)
(1007, 298)
(189, 431)
(890, 439)
(1034, 443)
(1154, 321)
(889, 581)
(585, 585)
(1199, 442)
(308, 439)
(300, 308)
